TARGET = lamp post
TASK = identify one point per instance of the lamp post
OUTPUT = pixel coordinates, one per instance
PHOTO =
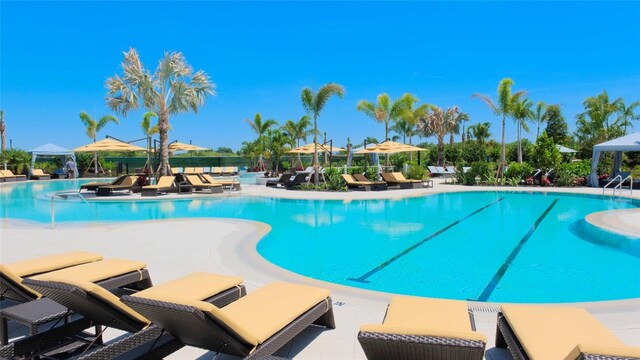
(364, 143)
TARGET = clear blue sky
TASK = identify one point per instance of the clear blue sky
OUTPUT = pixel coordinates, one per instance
(55, 57)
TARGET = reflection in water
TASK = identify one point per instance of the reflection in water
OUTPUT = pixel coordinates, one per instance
(318, 219)
(600, 237)
(396, 228)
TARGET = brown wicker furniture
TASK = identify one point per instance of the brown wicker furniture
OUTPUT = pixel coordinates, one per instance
(254, 326)
(557, 332)
(9, 176)
(378, 185)
(393, 179)
(165, 184)
(282, 181)
(423, 328)
(127, 184)
(352, 183)
(93, 186)
(38, 174)
(198, 185)
(226, 183)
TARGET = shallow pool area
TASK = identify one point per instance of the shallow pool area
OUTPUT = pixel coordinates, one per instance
(489, 246)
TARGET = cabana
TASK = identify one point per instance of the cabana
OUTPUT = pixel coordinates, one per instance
(629, 142)
(51, 150)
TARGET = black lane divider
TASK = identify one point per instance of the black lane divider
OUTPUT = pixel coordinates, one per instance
(491, 286)
(363, 278)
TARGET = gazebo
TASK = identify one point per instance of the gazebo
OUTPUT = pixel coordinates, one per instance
(51, 150)
(629, 142)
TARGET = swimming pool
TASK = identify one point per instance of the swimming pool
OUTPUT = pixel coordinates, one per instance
(487, 246)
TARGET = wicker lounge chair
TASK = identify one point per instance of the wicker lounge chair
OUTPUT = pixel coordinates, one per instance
(12, 274)
(254, 326)
(557, 332)
(378, 185)
(226, 183)
(93, 186)
(165, 184)
(176, 170)
(282, 181)
(9, 176)
(216, 170)
(363, 185)
(392, 181)
(415, 184)
(127, 184)
(198, 185)
(38, 174)
(423, 328)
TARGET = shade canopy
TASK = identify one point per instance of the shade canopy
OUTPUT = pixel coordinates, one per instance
(178, 146)
(619, 145)
(49, 150)
(389, 147)
(310, 148)
(108, 145)
(565, 150)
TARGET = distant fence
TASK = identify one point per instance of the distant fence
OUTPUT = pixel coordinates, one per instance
(129, 164)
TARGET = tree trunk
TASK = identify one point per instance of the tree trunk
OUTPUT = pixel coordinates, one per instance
(519, 132)
(503, 150)
(2, 134)
(450, 138)
(440, 151)
(316, 166)
(163, 130)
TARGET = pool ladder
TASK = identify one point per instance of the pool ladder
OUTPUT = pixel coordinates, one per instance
(618, 186)
(53, 202)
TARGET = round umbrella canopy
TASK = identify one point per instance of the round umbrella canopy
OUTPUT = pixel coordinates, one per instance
(564, 149)
(108, 145)
(178, 146)
(389, 147)
(309, 148)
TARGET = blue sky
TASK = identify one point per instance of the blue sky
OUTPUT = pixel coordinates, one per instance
(56, 56)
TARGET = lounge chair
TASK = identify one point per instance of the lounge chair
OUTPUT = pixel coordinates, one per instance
(165, 184)
(378, 185)
(216, 171)
(93, 186)
(127, 184)
(254, 326)
(38, 174)
(198, 185)
(299, 179)
(9, 176)
(284, 178)
(423, 328)
(233, 183)
(416, 184)
(557, 332)
(363, 185)
(391, 180)
(176, 170)
(12, 274)
(230, 170)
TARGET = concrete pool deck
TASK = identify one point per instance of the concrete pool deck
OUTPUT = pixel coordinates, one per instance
(227, 246)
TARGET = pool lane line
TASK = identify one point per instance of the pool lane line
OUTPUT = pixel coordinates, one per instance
(491, 286)
(363, 278)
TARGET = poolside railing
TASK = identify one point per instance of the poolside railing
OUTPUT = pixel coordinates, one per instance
(618, 186)
(53, 202)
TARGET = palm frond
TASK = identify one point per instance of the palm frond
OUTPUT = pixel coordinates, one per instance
(487, 100)
(105, 120)
(325, 93)
(307, 100)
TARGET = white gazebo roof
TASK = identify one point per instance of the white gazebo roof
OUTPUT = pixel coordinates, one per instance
(629, 142)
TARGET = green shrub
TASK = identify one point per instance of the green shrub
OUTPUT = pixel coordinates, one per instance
(545, 155)
(372, 173)
(17, 160)
(573, 173)
(333, 180)
(355, 170)
(518, 171)
(482, 170)
(398, 160)
(417, 172)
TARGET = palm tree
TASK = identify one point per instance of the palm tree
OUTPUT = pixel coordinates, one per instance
(313, 103)
(298, 130)
(172, 89)
(480, 132)
(148, 131)
(598, 111)
(455, 120)
(538, 116)
(384, 111)
(92, 128)
(627, 113)
(438, 122)
(503, 108)
(277, 143)
(521, 114)
(3, 128)
(260, 127)
(412, 115)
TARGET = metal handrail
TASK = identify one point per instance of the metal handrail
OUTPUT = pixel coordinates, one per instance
(619, 186)
(610, 182)
(53, 207)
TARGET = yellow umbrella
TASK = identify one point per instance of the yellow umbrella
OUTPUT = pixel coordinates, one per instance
(389, 147)
(108, 145)
(178, 146)
(309, 148)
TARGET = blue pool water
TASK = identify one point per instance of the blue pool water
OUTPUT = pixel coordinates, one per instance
(488, 246)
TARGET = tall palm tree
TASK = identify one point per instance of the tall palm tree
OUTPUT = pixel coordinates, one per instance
(598, 111)
(504, 109)
(298, 130)
(277, 143)
(148, 131)
(480, 132)
(412, 115)
(538, 116)
(92, 127)
(172, 89)
(521, 114)
(313, 104)
(627, 113)
(384, 111)
(403, 128)
(455, 120)
(438, 122)
(260, 128)
(3, 129)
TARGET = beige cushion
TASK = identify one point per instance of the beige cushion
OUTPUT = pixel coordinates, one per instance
(400, 177)
(25, 268)
(38, 172)
(96, 271)
(269, 309)
(194, 180)
(552, 332)
(196, 286)
(17, 281)
(163, 182)
(425, 316)
(101, 293)
(617, 351)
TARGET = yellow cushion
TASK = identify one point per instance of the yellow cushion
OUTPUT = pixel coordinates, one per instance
(25, 268)
(195, 286)
(400, 177)
(17, 281)
(101, 293)
(38, 172)
(617, 351)
(425, 330)
(194, 180)
(552, 332)
(96, 271)
(269, 309)
(216, 169)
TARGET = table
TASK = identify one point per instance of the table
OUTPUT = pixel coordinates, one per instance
(31, 314)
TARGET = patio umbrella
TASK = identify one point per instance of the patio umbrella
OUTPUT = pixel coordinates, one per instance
(308, 149)
(107, 145)
(389, 147)
(178, 146)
